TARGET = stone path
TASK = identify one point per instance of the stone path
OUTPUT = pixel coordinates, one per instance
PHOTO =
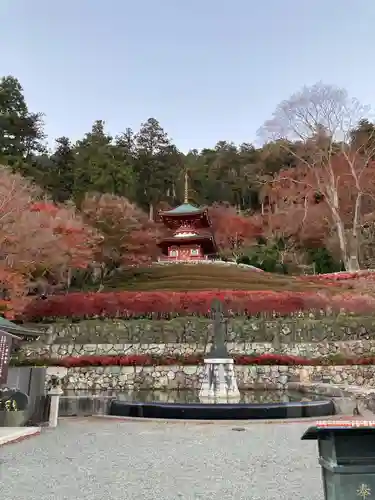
(97, 459)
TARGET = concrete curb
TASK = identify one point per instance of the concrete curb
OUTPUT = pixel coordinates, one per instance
(10, 435)
(224, 422)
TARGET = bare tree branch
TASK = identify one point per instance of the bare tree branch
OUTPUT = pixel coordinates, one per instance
(316, 126)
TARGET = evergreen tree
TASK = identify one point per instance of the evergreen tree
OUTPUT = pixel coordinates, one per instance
(21, 132)
(101, 165)
(61, 174)
(155, 166)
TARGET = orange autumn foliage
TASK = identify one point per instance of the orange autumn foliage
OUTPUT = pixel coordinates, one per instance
(233, 232)
(307, 203)
(75, 240)
(31, 240)
(129, 237)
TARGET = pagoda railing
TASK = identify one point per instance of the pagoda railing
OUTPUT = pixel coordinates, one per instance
(205, 258)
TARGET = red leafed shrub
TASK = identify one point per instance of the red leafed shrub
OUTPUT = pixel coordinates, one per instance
(129, 360)
(136, 360)
(149, 360)
(272, 359)
(168, 304)
(341, 276)
(195, 359)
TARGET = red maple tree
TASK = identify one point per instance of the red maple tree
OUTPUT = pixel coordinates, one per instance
(36, 238)
(129, 236)
(323, 205)
(74, 240)
(233, 232)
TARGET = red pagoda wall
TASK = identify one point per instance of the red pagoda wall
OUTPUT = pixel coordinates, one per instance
(185, 252)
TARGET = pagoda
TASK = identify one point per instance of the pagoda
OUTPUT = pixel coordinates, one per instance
(192, 239)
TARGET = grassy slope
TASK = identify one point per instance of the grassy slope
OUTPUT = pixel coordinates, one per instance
(182, 277)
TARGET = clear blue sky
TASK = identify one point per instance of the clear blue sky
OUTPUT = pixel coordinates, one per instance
(208, 70)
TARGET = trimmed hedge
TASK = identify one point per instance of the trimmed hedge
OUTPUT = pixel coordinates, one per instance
(156, 305)
(191, 360)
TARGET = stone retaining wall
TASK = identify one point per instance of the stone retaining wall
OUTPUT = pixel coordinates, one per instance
(301, 327)
(122, 378)
(304, 349)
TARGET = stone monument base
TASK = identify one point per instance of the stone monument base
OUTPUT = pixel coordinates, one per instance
(219, 382)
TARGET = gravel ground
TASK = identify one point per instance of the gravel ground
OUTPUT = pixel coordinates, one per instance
(115, 460)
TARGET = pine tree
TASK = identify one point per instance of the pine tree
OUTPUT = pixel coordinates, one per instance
(21, 132)
(156, 165)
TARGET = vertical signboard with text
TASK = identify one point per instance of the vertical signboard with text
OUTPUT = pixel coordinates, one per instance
(5, 352)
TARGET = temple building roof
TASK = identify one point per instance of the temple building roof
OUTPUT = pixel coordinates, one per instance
(174, 217)
(17, 330)
(189, 237)
(184, 209)
(205, 239)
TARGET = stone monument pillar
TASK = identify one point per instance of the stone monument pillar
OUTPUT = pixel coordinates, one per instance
(219, 382)
(54, 392)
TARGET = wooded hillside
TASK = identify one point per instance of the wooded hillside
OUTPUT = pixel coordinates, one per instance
(302, 202)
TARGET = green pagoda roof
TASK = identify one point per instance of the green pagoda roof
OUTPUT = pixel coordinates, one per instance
(185, 208)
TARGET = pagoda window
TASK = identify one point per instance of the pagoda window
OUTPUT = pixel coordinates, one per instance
(173, 253)
(194, 252)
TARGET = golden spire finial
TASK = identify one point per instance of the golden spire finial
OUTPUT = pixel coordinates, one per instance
(186, 199)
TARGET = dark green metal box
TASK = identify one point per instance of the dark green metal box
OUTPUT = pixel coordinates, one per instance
(347, 457)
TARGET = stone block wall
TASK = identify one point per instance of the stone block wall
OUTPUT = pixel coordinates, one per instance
(196, 330)
(123, 378)
(302, 335)
(304, 349)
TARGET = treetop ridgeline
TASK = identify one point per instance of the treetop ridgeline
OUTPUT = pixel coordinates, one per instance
(301, 203)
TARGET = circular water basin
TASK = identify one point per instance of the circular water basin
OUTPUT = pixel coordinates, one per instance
(252, 405)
